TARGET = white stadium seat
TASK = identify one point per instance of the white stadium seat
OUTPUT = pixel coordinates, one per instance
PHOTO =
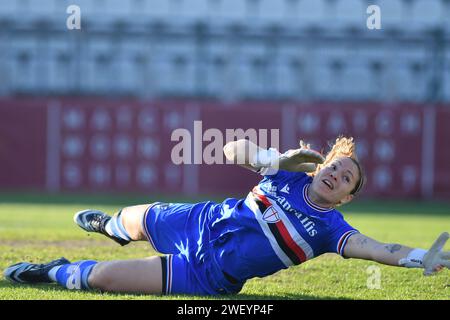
(230, 65)
(230, 12)
(100, 68)
(108, 13)
(374, 61)
(313, 12)
(321, 80)
(41, 8)
(396, 80)
(272, 12)
(406, 80)
(128, 80)
(254, 74)
(60, 71)
(291, 74)
(445, 13)
(193, 10)
(392, 14)
(446, 80)
(23, 64)
(152, 9)
(5, 65)
(88, 7)
(408, 60)
(427, 14)
(114, 9)
(351, 80)
(27, 12)
(350, 13)
(357, 80)
(291, 12)
(176, 61)
(217, 71)
(221, 69)
(62, 59)
(137, 64)
(9, 9)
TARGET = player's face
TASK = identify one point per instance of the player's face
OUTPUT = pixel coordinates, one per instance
(335, 182)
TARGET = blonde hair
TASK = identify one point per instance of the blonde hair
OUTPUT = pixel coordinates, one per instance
(343, 147)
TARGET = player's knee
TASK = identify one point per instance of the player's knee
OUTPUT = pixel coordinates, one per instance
(132, 221)
(135, 231)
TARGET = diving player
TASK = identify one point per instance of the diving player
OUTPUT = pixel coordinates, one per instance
(213, 248)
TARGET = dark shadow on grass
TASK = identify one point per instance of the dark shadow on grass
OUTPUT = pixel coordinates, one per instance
(4, 284)
(287, 296)
(53, 287)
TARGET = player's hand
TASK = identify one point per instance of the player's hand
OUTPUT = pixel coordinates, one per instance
(302, 159)
(436, 259)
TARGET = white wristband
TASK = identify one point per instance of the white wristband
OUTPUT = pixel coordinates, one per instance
(265, 158)
(414, 259)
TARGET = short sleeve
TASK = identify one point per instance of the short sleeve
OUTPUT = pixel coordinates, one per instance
(340, 232)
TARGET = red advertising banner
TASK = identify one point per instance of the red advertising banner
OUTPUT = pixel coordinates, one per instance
(137, 146)
(437, 149)
(123, 146)
(22, 144)
(389, 141)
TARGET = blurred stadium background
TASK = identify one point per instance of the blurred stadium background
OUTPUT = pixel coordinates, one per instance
(92, 110)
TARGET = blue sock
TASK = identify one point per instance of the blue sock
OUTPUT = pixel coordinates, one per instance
(115, 227)
(74, 275)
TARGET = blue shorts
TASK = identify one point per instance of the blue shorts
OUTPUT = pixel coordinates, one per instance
(180, 231)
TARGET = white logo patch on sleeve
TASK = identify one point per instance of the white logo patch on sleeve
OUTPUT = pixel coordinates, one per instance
(285, 189)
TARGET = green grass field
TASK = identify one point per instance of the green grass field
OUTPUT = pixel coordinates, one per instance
(39, 228)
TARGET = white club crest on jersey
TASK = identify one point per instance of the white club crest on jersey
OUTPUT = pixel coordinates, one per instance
(271, 215)
(285, 189)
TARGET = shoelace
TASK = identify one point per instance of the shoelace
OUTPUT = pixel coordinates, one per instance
(96, 222)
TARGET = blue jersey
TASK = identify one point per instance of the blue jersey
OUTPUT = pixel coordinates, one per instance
(274, 227)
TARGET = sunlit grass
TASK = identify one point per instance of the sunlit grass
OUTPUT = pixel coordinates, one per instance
(40, 232)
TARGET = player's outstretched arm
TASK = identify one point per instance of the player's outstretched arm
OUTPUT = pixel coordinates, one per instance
(241, 152)
(362, 247)
(249, 155)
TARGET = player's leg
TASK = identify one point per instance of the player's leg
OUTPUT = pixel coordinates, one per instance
(167, 226)
(128, 276)
(132, 276)
(123, 227)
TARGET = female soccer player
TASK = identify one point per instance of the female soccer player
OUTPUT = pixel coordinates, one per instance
(213, 248)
